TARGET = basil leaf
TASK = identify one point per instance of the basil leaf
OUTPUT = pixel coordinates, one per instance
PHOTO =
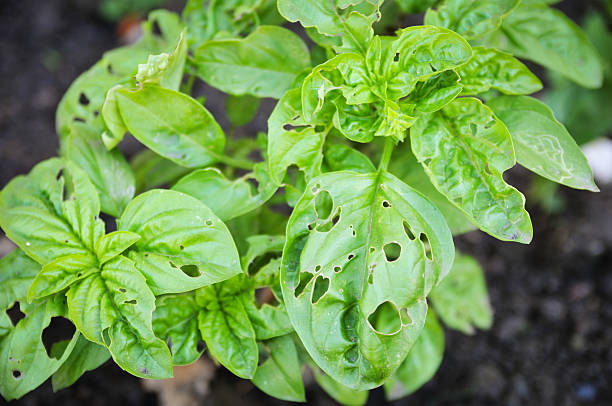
(466, 135)
(259, 246)
(340, 157)
(183, 245)
(175, 320)
(172, 124)
(227, 331)
(35, 216)
(17, 271)
(113, 244)
(340, 393)
(489, 68)
(85, 356)
(241, 109)
(470, 18)
(165, 69)
(61, 273)
(461, 300)
(24, 362)
(114, 308)
(542, 144)
(264, 64)
(280, 375)
(422, 361)
(228, 198)
(348, 237)
(546, 36)
(107, 170)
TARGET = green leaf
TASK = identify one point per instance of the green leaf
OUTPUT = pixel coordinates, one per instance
(61, 273)
(85, 356)
(348, 239)
(35, 216)
(264, 64)
(17, 271)
(183, 245)
(290, 141)
(111, 115)
(465, 149)
(489, 68)
(546, 36)
(422, 361)
(226, 329)
(228, 198)
(152, 170)
(471, 18)
(165, 69)
(340, 157)
(24, 362)
(241, 109)
(108, 170)
(113, 244)
(172, 124)
(280, 375)
(114, 308)
(340, 393)
(259, 246)
(461, 300)
(175, 320)
(542, 144)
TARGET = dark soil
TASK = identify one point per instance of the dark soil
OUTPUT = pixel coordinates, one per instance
(551, 343)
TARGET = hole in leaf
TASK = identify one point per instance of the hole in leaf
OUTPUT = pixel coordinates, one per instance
(426, 246)
(321, 287)
(305, 277)
(133, 301)
(96, 113)
(79, 120)
(16, 374)
(200, 346)
(319, 128)
(155, 29)
(323, 204)
(15, 313)
(317, 268)
(261, 261)
(372, 250)
(385, 319)
(351, 256)
(396, 58)
(327, 226)
(83, 100)
(409, 232)
(405, 317)
(337, 269)
(392, 251)
(191, 270)
(181, 247)
(209, 223)
(59, 329)
(386, 204)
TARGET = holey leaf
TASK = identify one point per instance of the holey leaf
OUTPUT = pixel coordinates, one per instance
(362, 253)
(183, 245)
(264, 64)
(465, 149)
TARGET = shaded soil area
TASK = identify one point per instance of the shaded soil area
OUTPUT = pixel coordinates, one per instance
(551, 343)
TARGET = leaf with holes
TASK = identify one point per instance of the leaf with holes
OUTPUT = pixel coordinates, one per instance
(546, 36)
(85, 356)
(461, 300)
(470, 18)
(108, 170)
(465, 149)
(542, 143)
(264, 64)
(17, 271)
(489, 68)
(350, 239)
(422, 361)
(25, 363)
(46, 225)
(175, 320)
(280, 375)
(226, 329)
(183, 245)
(228, 198)
(114, 308)
(172, 124)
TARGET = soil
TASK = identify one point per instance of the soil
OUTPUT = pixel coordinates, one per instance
(551, 342)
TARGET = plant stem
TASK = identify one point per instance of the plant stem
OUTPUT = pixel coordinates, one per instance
(386, 155)
(235, 162)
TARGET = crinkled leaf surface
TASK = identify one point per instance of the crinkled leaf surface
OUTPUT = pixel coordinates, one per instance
(264, 64)
(350, 239)
(108, 170)
(280, 375)
(546, 36)
(465, 149)
(489, 68)
(461, 300)
(542, 144)
(422, 361)
(61, 273)
(114, 308)
(165, 69)
(85, 356)
(183, 245)
(172, 124)
(470, 18)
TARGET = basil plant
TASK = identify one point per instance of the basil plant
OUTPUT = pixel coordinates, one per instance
(325, 243)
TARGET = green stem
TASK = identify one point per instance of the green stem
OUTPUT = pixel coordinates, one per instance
(235, 162)
(386, 155)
